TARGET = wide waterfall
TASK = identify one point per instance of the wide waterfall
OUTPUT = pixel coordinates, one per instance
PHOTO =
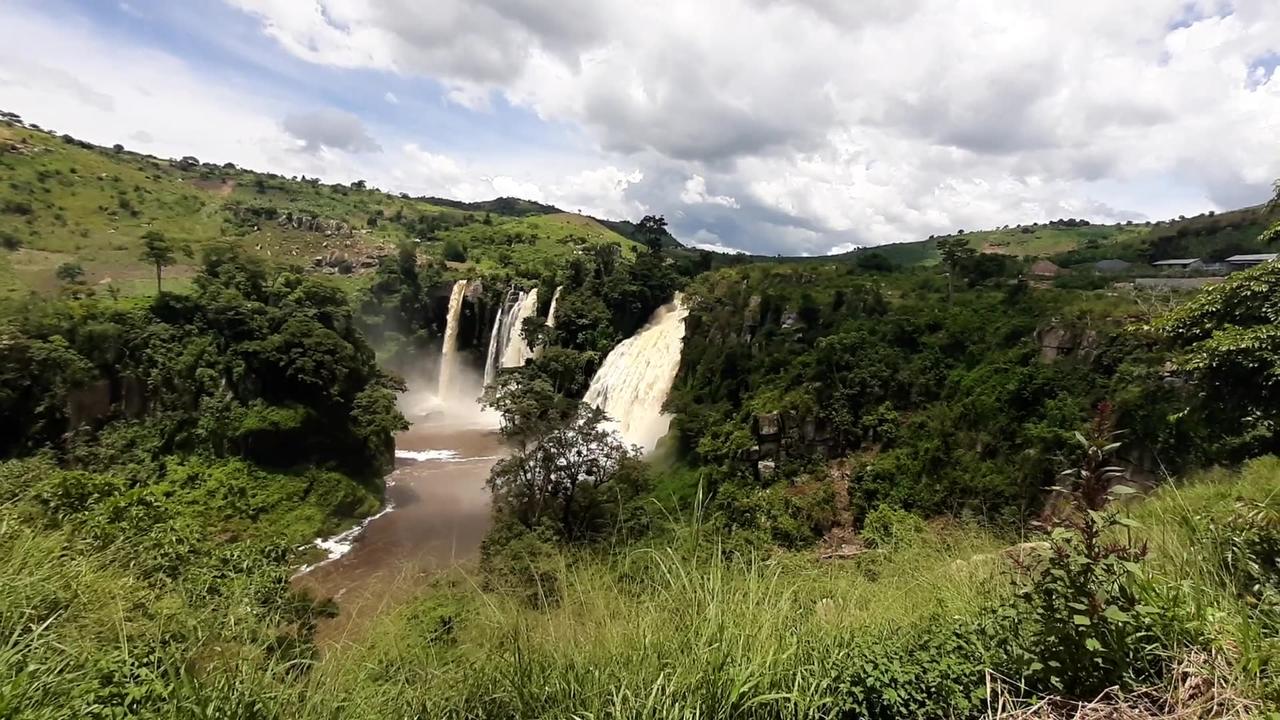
(636, 377)
(515, 351)
(449, 353)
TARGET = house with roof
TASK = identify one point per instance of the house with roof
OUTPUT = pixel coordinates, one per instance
(1244, 262)
(1046, 269)
(1112, 266)
(1179, 264)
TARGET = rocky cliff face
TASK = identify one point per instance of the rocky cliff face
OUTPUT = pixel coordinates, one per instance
(479, 310)
(308, 223)
(1058, 341)
(123, 395)
(788, 435)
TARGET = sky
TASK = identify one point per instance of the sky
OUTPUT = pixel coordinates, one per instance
(799, 127)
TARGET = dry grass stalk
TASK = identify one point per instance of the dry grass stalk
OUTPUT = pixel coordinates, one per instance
(1199, 689)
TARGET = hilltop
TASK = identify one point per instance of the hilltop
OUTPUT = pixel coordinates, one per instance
(1072, 241)
(69, 201)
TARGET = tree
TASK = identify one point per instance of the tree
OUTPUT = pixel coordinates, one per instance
(874, 262)
(71, 273)
(652, 231)
(955, 251)
(10, 240)
(160, 251)
(1227, 340)
(578, 479)
(454, 251)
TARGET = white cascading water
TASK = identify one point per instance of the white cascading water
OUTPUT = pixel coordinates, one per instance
(449, 353)
(495, 336)
(515, 351)
(636, 377)
(551, 311)
(551, 317)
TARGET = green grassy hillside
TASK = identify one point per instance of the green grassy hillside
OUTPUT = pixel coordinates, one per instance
(63, 201)
(1212, 235)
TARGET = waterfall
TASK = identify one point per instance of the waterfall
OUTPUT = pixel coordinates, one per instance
(551, 318)
(636, 377)
(551, 311)
(491, 359)
(448, 354)
(514, 349)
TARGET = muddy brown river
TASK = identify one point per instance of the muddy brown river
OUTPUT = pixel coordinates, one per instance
(439, 514)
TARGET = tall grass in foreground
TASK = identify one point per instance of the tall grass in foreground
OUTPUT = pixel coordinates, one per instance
(686, 631)
(1190, 527)
(670, 633)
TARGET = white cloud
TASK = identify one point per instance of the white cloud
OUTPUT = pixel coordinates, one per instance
(823, 126)
(330, 129)
(391, 98)
(695, 193)
(812, 125)
(707, 240)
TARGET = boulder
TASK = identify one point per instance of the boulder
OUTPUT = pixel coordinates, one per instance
(768, 424)
(766, 469)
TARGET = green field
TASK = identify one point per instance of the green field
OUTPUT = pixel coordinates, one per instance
(67, 201)
(1214, 236)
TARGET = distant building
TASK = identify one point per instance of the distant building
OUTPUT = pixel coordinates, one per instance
(1044, 268)
(1112, 266)
(1187, 264)
(1241, 262)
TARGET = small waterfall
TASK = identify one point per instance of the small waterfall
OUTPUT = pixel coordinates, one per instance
(515, 351)
(551, 317)
(551, 311)
(636, 377)
(449, 353)
(491, 359)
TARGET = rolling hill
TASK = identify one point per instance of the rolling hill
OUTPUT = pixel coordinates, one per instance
(1068, 242)
(67, 201)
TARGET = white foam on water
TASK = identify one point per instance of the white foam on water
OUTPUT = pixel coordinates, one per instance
(425, 455)
(342, 543)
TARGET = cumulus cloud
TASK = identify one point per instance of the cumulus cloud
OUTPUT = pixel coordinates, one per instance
(329, 129)
(695, 193)
(822, 124)
(707, 240)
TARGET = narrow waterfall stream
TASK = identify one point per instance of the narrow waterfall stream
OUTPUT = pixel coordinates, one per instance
(551, 311)
(495, 346)
(635, 379)
(449, 351)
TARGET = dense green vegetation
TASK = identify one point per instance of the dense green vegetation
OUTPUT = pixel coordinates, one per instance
(906, 631)
(965, 444)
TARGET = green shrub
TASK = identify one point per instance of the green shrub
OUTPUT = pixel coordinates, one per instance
(889, 528)
(933, 670)
(454, 251)
(9, 240)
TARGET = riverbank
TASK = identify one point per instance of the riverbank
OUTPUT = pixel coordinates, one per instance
(436, 516)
